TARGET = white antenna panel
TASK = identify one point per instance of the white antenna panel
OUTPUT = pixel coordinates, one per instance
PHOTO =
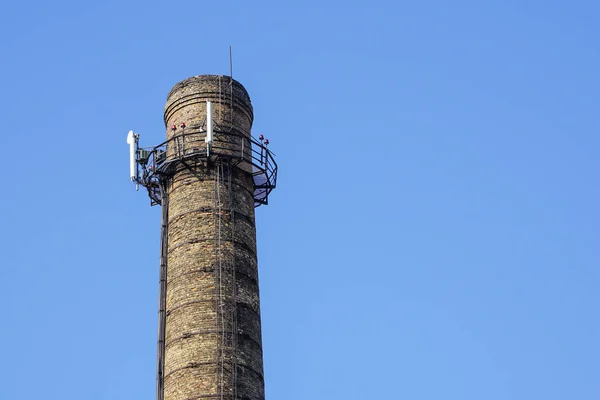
(132, 142)
(209, 123)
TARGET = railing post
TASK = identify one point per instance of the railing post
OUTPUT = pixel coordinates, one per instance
(262, 156)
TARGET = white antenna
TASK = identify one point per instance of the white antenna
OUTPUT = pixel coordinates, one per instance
(132, 141)
(209, 127)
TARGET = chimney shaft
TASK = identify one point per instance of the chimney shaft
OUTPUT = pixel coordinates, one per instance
(212, 343)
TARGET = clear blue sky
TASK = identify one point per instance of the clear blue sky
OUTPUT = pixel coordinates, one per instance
(434, 234)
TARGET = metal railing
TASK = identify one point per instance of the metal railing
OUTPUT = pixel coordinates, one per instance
(245, 152)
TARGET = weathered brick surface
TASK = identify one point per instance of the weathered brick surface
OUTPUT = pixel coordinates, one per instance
(202, 348)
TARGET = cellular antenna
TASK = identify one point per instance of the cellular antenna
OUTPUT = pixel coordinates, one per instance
(132, 141)
(209, 127)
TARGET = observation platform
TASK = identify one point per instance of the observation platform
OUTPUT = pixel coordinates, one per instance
(189, 148)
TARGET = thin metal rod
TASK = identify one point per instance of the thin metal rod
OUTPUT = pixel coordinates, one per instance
(221, 311)
(234, 329)
(220, 102)
(162, 293)
(230, 63)
(230, 87)
(218, 277)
